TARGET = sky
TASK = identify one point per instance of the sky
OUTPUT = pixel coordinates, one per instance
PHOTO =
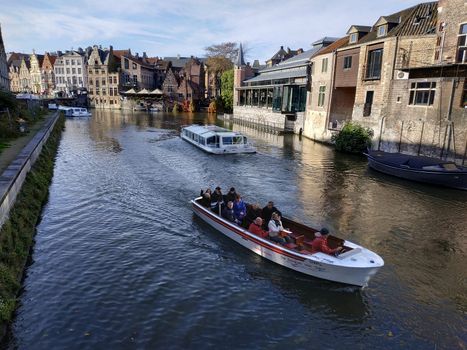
(184, 27)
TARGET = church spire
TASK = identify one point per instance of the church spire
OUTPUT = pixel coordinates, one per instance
(239, 62)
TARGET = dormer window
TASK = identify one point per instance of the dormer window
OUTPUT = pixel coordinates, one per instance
(353, 38)
(382, 30)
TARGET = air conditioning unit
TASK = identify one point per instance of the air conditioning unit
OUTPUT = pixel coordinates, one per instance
(401, 75)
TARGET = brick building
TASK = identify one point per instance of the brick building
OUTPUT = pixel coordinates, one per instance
(318, 105)
(136, 72)
(104, 79)
(48, 75)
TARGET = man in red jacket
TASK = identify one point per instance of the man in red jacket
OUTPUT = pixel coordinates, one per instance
(320, 243)
(255, 227)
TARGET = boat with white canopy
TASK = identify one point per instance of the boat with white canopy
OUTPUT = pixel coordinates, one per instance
(216, 140)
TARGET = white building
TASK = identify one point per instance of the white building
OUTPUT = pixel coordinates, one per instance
(71, 72)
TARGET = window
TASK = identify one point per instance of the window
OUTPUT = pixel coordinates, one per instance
(126, 63)
(321, 95)
(79, 70)
(134, 66)
(382, 30)
(97, 91)
(90, 81)
(347, 62)
(324, 65)
(80, 80)
(227, 140)
(68, 71)
(422, 93)
(103, 81)
(373, 69)
(135, 79)
(97, 82)
(115, 80)
(111, 91)
(73, 70)
(353, 38)
(368, 103)
(462, 44)
(67, 62)
(72, 62)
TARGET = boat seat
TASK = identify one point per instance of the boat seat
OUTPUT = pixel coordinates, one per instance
(290, 245)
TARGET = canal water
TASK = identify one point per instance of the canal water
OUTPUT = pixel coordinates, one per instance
(121, 262)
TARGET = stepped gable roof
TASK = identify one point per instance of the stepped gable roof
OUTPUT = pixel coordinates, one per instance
(416, 20)
(334, 46)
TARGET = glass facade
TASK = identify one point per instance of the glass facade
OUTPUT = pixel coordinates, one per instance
(286, 98)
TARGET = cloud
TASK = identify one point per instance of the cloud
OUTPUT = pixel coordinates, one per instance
(166, 28)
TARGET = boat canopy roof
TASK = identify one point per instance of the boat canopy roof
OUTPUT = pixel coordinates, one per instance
(211, 130)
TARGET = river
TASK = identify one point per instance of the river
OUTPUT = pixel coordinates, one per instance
(121, 262)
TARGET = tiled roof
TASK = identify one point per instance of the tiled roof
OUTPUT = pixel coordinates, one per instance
(334, 46)
(421, 21)
(120, 53)
(427, 13)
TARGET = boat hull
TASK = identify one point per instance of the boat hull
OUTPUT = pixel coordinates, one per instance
(453, 179)
(226, 150)
(317, 265)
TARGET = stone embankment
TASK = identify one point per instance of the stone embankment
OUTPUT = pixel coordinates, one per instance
(24, 188)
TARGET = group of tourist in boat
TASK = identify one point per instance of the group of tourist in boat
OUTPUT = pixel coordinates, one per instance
(265, 222)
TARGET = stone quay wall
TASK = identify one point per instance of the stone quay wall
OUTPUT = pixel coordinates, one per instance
(11, 180)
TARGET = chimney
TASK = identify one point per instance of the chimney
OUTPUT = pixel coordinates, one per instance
(282, 47)
(144, 55)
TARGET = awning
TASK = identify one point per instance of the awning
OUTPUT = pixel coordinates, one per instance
(131, 91)
(299, 72)
(157, 92)
(144, 91)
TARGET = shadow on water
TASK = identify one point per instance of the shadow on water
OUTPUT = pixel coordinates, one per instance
(342, 302)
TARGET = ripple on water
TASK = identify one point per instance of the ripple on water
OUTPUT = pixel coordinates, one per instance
(121, 262)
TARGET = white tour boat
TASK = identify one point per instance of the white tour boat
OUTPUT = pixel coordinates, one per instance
(217, 140)
(355, 265)
(77, 112)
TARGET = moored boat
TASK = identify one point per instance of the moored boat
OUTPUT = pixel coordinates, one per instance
(355, 265)
(216, 140)
(419, 168)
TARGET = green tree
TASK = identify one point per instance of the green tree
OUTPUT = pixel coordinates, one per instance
(353, 138)
(227, 89)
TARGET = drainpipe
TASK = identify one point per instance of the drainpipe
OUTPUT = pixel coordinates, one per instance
(331, 87)
(451, 99)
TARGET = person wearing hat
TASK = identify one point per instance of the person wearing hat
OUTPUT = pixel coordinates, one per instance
(216, 199)
(320, 243)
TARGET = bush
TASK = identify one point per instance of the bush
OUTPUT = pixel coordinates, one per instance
(353, 138)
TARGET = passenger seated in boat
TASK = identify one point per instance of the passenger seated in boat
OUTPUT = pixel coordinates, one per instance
(276, 230)
(320, 243)
(255, 227)
(252, 212)
(228, 212)
(206, 200)
(267, 212)
(231, 195)
(239, 208)
(216, 199)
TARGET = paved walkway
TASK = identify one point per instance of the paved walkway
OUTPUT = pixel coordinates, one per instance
(17, 145)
